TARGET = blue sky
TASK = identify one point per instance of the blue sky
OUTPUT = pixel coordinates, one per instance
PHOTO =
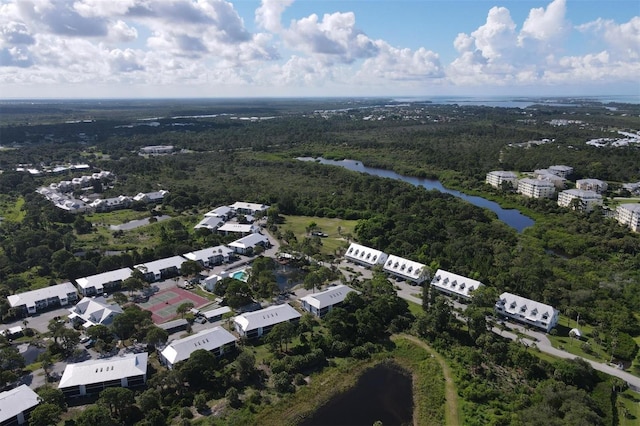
(248, 48)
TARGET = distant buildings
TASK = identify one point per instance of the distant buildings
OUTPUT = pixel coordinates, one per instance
(536, 188)
(595, 185)
(579, 199)
(629, 215)
(321, 303)
(527, 311)
(561, 170)
(17, 404)
(258, 323)
(454, 285)
(498, 177)
(92, 377)
(156, 149)
(36, 300)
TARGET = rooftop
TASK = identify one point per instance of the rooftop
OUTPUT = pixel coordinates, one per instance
(104, 370)
(99, 280)
(209, 339)
(328, 297)
(17, 400)
(30, 298)
(266, 317)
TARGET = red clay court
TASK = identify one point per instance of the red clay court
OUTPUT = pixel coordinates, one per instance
(164, 303)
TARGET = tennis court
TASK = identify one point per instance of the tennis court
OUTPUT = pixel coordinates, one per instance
(163, 305)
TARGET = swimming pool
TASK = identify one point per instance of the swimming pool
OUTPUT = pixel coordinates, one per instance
(240, 275)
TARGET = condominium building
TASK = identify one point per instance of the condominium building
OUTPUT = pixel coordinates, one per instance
(454, 284)
(536, 188)
(497, 177)
(629, 215)
(595, 185)
(527, 311)
(587, 200)
(365, 256)
(561, 170)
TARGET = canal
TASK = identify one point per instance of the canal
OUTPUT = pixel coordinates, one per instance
(511, 217)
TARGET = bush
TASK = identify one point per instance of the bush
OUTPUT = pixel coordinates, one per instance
(186, 413)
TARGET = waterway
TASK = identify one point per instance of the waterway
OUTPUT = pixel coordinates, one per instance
(382, 393)
(511, 217)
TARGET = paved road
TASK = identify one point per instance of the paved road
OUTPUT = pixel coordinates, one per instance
(407, 292)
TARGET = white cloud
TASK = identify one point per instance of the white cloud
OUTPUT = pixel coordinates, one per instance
(269, 13)
(401, 64)
(622, 39)
(333, 39)
(496, 37)
(120, 32)
(545, 25)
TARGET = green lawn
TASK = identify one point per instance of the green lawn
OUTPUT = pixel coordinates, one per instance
(628, 408)
(337, 230)
(11, 210)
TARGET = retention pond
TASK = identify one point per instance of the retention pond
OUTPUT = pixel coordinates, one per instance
(383, 393)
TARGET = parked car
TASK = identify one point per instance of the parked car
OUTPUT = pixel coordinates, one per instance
(91, 343)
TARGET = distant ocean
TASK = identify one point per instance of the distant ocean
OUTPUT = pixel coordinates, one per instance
(522, 101)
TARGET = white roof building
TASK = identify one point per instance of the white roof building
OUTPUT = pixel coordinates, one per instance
(257, 323)
(93, 376)
(595, 185)
(405, 269)
(587, 199)
(364, 255)
(561, 170)
(97, 284)
(527, 311)
(629, 215)
(497, 177)
(248, 243)
(210, 256)
(216, 339)
(248, 208)
(34, 300)
(536, 188)
(238, 228)
(210, 222)
(94, 311)
(157, 269)
(454, 284)
(16, 404)
(321, 303)
(151, 197)
(222, 211)
(214, 314)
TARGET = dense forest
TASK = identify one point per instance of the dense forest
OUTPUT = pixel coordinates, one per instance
(580, 263)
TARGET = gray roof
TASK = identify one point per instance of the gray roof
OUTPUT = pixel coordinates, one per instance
(209, 339)
(455, 283)
(328, 297)
(208, 253)
(159, 265)
(216, 312)
(16, 401)
(104, 370)
(266, 317)
(95, 311)
(30, 298)
(250, 240)
(99, 280)
(173, 324)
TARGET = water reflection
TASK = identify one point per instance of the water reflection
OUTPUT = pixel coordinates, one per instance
(511, 217)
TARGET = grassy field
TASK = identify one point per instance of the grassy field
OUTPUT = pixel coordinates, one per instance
(337, 230)
(10, 209)
(628, 408)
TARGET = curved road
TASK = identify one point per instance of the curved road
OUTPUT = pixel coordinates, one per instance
(407, 292)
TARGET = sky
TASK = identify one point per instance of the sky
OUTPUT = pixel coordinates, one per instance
(318, 48)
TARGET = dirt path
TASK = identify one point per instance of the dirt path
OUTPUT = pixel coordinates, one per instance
(452, 410)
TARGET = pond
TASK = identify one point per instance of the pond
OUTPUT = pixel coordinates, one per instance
(383, 393)
(511, 217)
(287, 277)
